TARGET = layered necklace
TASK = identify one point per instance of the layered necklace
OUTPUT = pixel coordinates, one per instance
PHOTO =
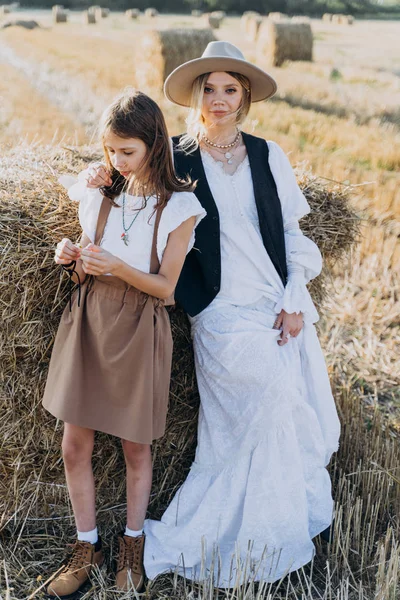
(225, 149)
(124, 234)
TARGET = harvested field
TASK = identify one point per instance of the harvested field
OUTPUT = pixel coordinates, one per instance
(331, 116)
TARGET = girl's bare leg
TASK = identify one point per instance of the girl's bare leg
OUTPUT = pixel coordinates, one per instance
(77, 447)
(139, 473)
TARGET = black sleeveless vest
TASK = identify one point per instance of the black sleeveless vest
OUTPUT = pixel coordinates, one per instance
(200, 279)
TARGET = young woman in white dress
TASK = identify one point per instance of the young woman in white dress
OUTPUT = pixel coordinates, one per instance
(258, 491)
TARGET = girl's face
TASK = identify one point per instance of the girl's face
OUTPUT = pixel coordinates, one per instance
(126, 154)
(222, 97)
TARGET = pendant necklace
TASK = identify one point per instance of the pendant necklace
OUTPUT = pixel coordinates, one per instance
(124, 234)
(222, 147)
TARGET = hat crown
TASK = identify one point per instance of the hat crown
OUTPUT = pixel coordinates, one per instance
(222, 50)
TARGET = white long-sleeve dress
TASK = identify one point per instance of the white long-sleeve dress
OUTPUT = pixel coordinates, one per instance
(268, 423)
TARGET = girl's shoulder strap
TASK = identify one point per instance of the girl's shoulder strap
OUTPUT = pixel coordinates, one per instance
(105, 209)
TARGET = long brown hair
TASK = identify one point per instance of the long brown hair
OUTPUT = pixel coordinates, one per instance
(135, 115)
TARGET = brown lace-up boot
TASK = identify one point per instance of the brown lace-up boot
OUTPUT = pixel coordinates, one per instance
(130, 570)
(76, 572)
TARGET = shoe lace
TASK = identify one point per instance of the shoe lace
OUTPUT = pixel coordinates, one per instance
(130, 554)
(78, 558)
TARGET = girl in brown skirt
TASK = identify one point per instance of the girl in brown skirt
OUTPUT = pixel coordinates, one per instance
(111, 362)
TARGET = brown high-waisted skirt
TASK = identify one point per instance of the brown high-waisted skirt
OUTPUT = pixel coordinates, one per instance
(111, 363)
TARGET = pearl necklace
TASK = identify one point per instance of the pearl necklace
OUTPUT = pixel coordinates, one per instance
(228, 155)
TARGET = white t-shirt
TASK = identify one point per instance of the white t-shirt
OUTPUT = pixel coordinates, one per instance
(180, 207)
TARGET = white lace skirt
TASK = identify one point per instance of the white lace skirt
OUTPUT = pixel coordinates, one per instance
(258, 490)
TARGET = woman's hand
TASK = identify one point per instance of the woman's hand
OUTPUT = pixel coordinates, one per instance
(291, 325)
(66, 252)
(97, 261)
(98, 176)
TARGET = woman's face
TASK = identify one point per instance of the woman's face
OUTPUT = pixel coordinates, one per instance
(221, 99)
(126, 154)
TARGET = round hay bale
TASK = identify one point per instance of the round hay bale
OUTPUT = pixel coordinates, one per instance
(300, 19)
(350, 19)
(161, 51)
(21, 23)
(342, 19)
(57, 8)
(35, 213)
(60, 17)
(277, 16)
(5, 10)
(327, 17)
(151, 13)
(246, 17)
(214, 20)
(132, 13)
(197, 13)
(102, 13)
(89, 17)
(278, 42)
(252, 27)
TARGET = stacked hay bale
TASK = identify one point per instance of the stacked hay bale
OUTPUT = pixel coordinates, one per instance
(161, 51)
(278, 42)
(35, 213)
(197, 13)
(132, 13)
(60, 15)
(89, 17)
(277, 16)
(327, 17)
(151, 13)
(215, 19)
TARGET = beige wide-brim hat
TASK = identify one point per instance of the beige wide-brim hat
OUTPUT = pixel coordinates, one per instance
(217, 57)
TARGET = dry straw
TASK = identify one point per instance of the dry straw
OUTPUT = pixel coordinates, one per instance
(89, 17)
(278, 42)
(35, 214)
(161, 51)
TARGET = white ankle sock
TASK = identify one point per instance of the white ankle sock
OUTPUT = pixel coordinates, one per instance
(132, 532)
(88, 536)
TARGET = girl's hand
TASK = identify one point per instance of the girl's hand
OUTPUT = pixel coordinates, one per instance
(98, 176)
(97, 261)
(66, 252)
(291, 325)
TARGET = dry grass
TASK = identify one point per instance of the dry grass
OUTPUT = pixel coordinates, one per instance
(19, 102)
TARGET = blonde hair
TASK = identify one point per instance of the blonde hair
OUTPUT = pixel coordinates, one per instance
(195, 122)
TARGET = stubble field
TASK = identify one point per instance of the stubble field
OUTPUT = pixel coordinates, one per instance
(338, 116)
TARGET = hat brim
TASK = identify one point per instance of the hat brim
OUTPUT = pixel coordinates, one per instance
(178, 85)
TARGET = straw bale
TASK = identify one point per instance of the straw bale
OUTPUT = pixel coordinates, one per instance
(89, 17)
(161, 51)
(340, 19)
(246, 17)
(151, 12)
(57, 8)
(5, 10)
(253, 27)
(60, 17)
(278, 42)
(300, 19)
(214, 19)
(101, 13)
(197, 13)
(35, 214)
(132, 13)
(327, 17)
(277, 16)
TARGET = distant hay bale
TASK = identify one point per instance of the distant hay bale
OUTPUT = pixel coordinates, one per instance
(197, 13)
(253, 27)
(151, 12)
(246, 17)
(350, 20)
(327, 17)
(300, 19)
(57, 8)
(60, 16)
(21, 23)
(214, 19)
(277, 16)
(132, 13)
(161, 51)
(102, 13)
(340, 19)
(89, 17)
(5, 10)
(278, 42)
